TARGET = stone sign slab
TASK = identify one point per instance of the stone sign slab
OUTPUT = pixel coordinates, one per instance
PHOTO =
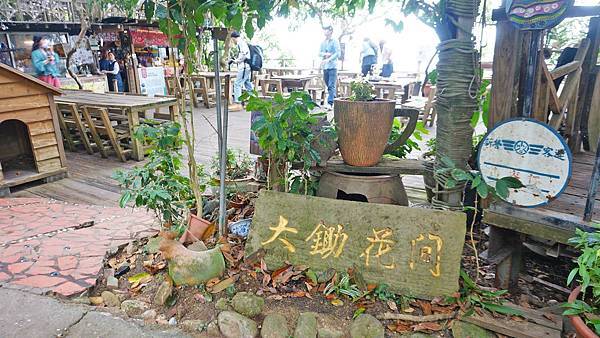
(414, 251)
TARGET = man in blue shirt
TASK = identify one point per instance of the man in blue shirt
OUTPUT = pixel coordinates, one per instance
(329, 54)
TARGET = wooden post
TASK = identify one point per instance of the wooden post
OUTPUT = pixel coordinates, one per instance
(505, 73)
(586, 88)
(593, 121)
(137, 147)
(591, 198)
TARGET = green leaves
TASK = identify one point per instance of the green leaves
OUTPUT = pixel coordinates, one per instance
(287, 131)
(158, 184)
(472, 296)
(586, 273)
(149, 7)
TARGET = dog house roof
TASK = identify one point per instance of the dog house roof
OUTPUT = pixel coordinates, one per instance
(30, 78)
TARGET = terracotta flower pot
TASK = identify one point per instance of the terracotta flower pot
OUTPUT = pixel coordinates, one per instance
(196, 228)
(583, 331)
(363, 129)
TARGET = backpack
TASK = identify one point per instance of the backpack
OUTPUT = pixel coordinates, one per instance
(256, 57)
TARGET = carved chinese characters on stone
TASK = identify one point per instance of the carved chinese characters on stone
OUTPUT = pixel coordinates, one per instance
(327, 240)
(426, 250)
(380, 240)
(278, 230)
(414, 251)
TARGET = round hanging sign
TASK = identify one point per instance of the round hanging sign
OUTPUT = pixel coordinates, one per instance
(530, 151)
(536, 14)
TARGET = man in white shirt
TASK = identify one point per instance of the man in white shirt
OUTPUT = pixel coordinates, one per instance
(244, 72)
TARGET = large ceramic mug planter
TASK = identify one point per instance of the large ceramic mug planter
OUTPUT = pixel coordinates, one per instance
(583, 331)
(363, 129)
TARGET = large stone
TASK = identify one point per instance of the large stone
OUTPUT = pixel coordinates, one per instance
(133, 307)
(212, 329)
(194, 325)
(420, 249)
(149, 315)
(222, 304)
(247, 304)
(234, 325)
(366, 326)
(274, 326)
(153, 244)
(329, 332)
(187, 267)
(110, 299)
(112, 282)
(462, 329)
(306, 325)
(165, 290)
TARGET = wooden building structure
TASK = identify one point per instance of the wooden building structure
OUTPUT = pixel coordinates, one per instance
(573, 110)
(30, 136)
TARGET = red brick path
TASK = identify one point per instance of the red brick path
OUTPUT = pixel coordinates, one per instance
(52, 246)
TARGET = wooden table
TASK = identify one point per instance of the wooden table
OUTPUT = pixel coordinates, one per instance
(294, 81)
(279, 71)
(210, 78)
(133, 105)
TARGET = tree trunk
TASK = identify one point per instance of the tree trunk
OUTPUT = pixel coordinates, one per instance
(80, 39)
(457, 86)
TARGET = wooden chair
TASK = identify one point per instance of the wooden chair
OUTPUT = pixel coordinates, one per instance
(317, 90)
(343, 89)
(101, 127)
(201, 90)
(72, 127)
(270, 87)
(428, 112)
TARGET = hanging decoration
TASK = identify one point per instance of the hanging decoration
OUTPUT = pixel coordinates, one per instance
(536, 14)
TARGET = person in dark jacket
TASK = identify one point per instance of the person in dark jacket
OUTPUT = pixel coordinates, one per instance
(110, 67)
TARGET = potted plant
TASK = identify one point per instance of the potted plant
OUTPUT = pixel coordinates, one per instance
(158, 185)
(363, 124)
(237, 172)
(583, 307)
(288, 132)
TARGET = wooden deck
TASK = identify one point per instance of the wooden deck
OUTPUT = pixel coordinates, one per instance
(89, 176)
(573, 199)
(558, 219)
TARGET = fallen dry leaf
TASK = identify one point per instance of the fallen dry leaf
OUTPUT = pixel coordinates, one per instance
(224, 284)
(401, 327)
(140, 278)
(427, 326)
(337, 302)
(425, 307)
(392, 305)
(210, 231)
(212, 282)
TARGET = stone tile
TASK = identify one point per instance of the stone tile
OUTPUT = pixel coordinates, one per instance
(67, 262)
(19, 267)
(68, 289)
(39, 281)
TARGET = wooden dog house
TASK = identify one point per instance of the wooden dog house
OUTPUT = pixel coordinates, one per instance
(31, 146)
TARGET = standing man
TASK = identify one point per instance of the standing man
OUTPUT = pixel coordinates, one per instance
(329, 54)
(244, 71)
(387, 67)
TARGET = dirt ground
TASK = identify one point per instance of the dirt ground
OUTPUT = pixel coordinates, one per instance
(298, 294)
